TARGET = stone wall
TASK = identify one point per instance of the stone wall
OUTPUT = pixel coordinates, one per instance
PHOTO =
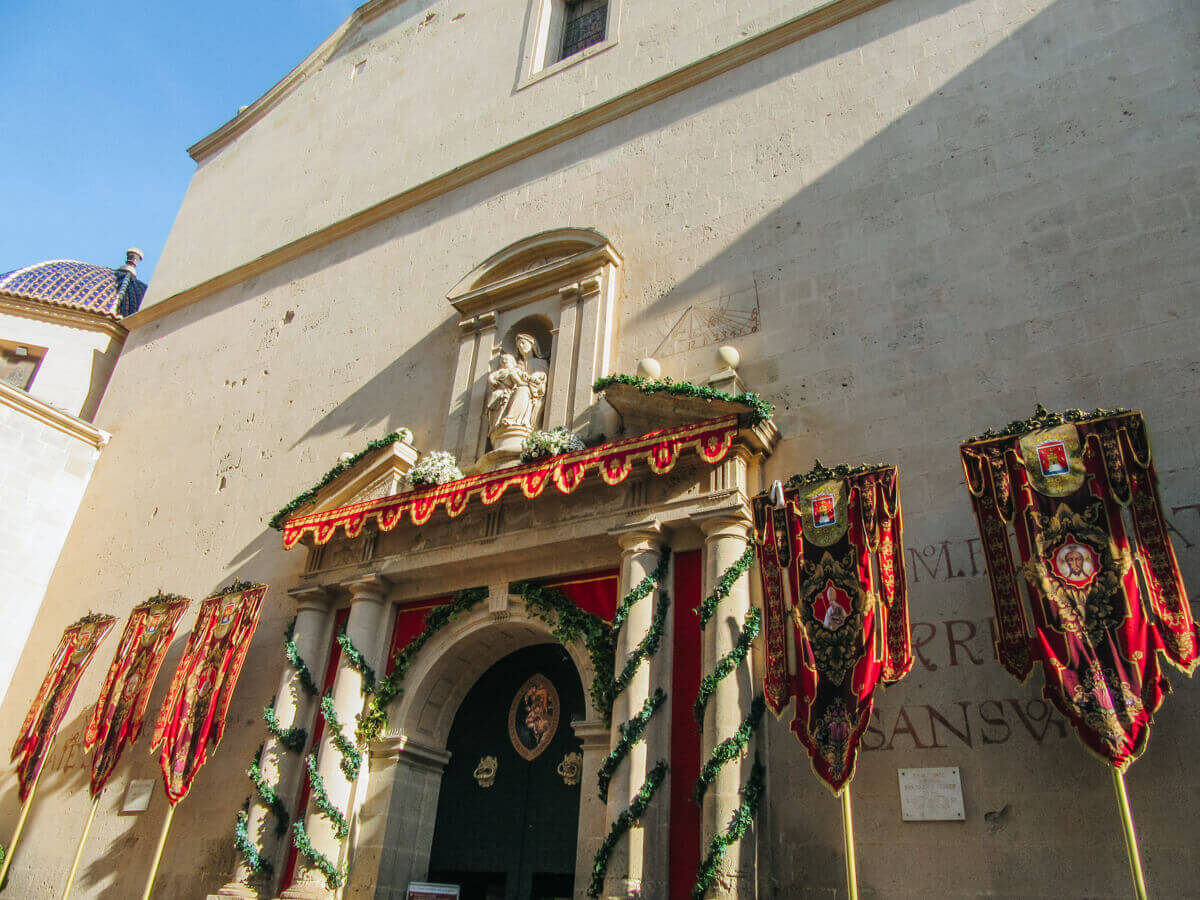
(913, 226)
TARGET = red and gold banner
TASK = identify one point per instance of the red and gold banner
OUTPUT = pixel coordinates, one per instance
(831, 558)
(192, 718)
(75, 651)
(1062, 484)
(117, 717)
(614, 461)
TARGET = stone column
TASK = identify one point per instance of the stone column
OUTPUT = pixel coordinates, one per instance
(474, 440)
(726, 535)
(562, 360)
(460, 390)
(638, 864)
(365, 629)
(593, 821)
(591, 336)
(283, 768)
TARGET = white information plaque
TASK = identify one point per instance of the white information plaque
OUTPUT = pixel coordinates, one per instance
(423, 890)
(931, 795)
(137, 796)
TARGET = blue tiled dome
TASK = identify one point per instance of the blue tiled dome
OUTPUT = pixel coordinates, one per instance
(65, 282)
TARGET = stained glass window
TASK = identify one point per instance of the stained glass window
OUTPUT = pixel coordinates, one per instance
(583, 25)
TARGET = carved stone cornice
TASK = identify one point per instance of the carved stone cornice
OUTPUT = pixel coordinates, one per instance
(25, 403)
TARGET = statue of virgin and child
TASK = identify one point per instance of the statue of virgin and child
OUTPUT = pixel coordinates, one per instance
(518, 393)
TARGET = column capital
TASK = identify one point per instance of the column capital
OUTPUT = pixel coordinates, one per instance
(568, 293)
(729, 521)
(594, 734)
(371, 588)
(589, 285)
(402, 750)
(636, 537)
(486, 321)
(312, 597)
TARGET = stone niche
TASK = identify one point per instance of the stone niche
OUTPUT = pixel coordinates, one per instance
(560, 288)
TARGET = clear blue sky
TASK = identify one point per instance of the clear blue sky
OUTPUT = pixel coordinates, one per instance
(101, 100)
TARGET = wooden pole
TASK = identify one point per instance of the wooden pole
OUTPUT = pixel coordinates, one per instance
(162, 842)
(12, 845)
(848, 835)
(79, 850)
(1131, 844)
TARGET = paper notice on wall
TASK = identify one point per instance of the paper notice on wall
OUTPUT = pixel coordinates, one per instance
(137, 796)
(931, 795)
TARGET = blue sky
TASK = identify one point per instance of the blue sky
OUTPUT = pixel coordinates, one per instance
(101, 101)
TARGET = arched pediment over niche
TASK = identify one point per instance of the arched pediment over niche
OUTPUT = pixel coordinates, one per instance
(561, 290)
(529, 263)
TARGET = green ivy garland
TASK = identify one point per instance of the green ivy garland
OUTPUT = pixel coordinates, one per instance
(1044, 418)
(374, 717)
(334, 877)
(820, 473)
(725, 585)
(321, 799)
(357, 662)
(761, 410)
(729, 661)
(631, 732)
(751, 792)
(569, 623)
(623, 823)
(295, 661)
(351, 755)
(643, 588)
(277, 520)
(730, 748)
(647, 647)
(292, 739)
(267, 792)
(241, 840)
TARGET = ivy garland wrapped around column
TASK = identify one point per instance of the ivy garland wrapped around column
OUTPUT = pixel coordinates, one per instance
(734, 746)
(633, 730)
(357, 662)
(292, 739)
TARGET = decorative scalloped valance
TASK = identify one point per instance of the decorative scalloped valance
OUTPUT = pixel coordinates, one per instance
(614, 461)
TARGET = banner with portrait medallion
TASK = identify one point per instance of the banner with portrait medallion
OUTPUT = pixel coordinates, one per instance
(117, 717)
(75, 651)
(831, 559)
(1080, 495)
(192, 718)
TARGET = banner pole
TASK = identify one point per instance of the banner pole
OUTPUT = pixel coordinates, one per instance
(12, 845)
(848, 835)
(162, 842)
(79, 850)
(1131, 844)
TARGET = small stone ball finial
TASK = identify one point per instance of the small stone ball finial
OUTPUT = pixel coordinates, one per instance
(649, 368)
(729, 356)
(133, 256)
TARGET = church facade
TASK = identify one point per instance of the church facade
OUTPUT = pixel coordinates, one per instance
(855, 231)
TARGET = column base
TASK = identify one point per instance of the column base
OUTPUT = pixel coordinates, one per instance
(236, 889)
(308, 890)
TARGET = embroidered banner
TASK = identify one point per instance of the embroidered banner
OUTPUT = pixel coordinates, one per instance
(1061, 483)
(117, 717)
(75, 651)
(614, 461)
(192, 718)
(831, 559)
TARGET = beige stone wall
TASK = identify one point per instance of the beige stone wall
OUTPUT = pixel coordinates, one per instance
(940, 213)
(44, 475)
(77, 364)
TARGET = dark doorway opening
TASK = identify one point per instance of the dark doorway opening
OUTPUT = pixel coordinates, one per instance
(508, 814)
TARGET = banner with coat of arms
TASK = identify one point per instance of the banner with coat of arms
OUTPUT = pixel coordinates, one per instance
(75, 651)
(831, 559)
(192, 718)
(117, 717)
(1080, 495)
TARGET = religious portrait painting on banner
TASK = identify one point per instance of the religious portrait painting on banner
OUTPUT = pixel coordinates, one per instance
(831, 560)
(192, 718)
(74, 653)
(117, 717)
(1078, 494)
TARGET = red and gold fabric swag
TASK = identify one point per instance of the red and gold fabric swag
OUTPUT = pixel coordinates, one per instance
(1063, 487)
(192, 718)
(117, 718)
(75, 651)
(831, 560)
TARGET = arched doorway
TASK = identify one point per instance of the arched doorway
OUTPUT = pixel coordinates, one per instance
(508, 810)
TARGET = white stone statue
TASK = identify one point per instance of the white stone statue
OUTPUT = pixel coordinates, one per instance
(514, 406)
